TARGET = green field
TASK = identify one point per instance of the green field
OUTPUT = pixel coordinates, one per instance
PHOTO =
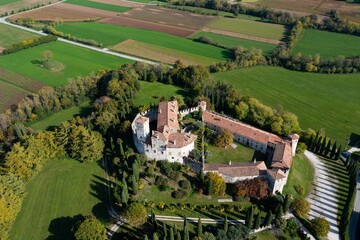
(111, 35)
(238, 154)
(249, 27)
(98, 5)
(301, 174)
(10, 35)
(65, 115)
(327, 44)
(64, 189)
(231, 42)
(151, 92)
(324, 101)
(4, 2)
(78, 62)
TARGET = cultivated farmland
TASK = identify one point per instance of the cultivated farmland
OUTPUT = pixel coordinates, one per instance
(64, 189)
(230, 42)
(327, 44)
(111, 35)
(99, 5)
(10, 35)
(320, 100)
(260, 30)
(14, 5)
(10, 94)
(80, 62)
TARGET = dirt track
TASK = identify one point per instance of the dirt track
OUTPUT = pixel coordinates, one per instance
(118, 3)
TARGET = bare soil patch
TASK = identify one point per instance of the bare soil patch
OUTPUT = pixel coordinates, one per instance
(131, 22)
(160, 54)
(168, 16)
(241, 35)
(20, 80)
(118, 3)
(67, 12)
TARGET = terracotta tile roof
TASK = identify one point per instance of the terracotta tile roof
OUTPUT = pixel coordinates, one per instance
(238, 169)
(142, 119)
(276, 174)
(282, 157)
(240, 128)
(167, 116)
(179, 140)
(159, 135)
(294, 136)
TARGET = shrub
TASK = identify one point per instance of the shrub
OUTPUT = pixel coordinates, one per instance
(301, 148)
(164, 188)
(160, 180)
(299, 189)
(175, 175)
(218, 185)
(301, 206)
(136, 214)
(180, 194)
(185, 184)
(320, 226)
(254, 188)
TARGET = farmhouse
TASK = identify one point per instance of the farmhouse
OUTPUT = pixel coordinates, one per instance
(166, 142)
(279, 152)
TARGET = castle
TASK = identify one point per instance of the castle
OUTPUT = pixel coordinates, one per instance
(167, 142)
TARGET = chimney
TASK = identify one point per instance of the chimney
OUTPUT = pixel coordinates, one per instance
(230, 163)
(254, 160)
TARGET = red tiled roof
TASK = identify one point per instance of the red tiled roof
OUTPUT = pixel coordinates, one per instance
(282, 157)
(179, 140)
(167, 116)
(238, 169)
(240, 128)
(142, 119)
(276, 174)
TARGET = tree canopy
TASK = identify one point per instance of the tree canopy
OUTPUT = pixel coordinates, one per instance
(90, 229)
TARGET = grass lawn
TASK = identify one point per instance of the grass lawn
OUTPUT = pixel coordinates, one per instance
(264, 235)
(80, 62)
(238, 154)
(327, 44)
(249, 27)
(60, 117)
(151, 92)
(4, 2)
(64, 189)
(10, 35)
(230, 42)
(301, 173)
(111, 35)
(319, 100)
(98, 5)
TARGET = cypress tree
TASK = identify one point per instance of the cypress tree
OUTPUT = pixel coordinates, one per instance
(333, 150)
(125, 195)
(268, 218)
(286, 204)
(226, 224)
(257, 221)
(318, 145)
(279, 212)
(164, 230)
(347, 162)
(202, 177)
(186, 230)
(250, 217)
(171, 237)
(155, 236)
(145, 237)
(210, 187)
(134, 185)
(135, 170)
(310, 142)
(313, 145)
(327, 149)
(153, 218)
(322, 147)
(178, 235)
(337, 155)
(199, 228)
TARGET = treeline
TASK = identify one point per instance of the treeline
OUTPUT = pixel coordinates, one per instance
(53, 31)
(332, 23)
(25, 44)
(322, 145)
(352, 167)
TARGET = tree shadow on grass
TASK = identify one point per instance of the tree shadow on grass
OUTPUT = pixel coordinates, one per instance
(98, 190)
(61, 228)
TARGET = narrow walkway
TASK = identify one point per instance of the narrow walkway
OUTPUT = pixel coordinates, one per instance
(323, 197)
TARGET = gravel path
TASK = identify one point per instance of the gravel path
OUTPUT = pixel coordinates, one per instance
(323, 197)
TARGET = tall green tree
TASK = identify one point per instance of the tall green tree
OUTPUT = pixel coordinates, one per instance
(171, 234)
(257, 221)
(134, 185)
(226, 224)
(164, 230)
(328, 148)
(338, 152)
(279, 212)
(318, 144)
(90, 228)
(286, 203)
(199, 228)
(333, 151)
(249, 221)
(268, 218)
(322, 147)
(135, 214)
(155, 236)
(186, 230)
